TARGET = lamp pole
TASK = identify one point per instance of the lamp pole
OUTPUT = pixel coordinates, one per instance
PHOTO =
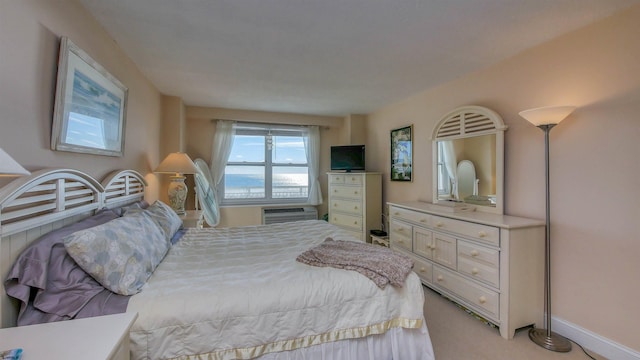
(545, 337)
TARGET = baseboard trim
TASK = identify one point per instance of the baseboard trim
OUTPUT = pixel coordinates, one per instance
(592, 341)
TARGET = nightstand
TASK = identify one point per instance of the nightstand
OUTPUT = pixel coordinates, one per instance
(190, 218)
(96, 338)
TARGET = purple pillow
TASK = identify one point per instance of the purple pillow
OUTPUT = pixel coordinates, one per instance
(45, 269)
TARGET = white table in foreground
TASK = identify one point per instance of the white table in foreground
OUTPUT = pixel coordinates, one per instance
(97, 338)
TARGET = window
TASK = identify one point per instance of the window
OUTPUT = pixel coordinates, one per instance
(444, 181)
(267, 164)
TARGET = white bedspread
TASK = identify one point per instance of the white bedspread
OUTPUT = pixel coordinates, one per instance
(239, 293)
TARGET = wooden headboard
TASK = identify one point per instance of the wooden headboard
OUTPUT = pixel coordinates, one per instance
(48, 199)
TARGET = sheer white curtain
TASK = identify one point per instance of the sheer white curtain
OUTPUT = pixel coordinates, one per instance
(222, 142)
(312, 149)
(451, 164)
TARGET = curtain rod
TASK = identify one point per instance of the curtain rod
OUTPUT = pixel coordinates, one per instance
(258, 123)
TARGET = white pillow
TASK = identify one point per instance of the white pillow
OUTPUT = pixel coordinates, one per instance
(163, 215)
(120, 254)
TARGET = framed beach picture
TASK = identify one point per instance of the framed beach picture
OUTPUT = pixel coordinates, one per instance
(401, 154)
(90, 105)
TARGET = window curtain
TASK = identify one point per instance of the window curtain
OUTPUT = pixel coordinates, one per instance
(451, 164)
(312, 149)
(222, 143)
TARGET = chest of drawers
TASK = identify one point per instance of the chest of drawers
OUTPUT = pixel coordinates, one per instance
(355, 202)
(491, 264)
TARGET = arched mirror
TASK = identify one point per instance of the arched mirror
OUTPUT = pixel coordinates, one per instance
(468, 159)
(206, 197)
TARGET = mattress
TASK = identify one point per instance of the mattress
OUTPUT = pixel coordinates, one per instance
(238, 293)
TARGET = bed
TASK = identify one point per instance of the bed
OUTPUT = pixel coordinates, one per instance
(229, 293)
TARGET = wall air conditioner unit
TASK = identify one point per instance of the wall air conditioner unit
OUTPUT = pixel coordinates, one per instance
(279, 215)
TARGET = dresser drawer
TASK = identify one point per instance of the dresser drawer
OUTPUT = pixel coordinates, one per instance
(348, 206)
(410, 215)
(349, 221)
(479, 254)
(484, 233)
(348, 192)
(486, 301)
(400, 235)
(478, 271)
(424, 269)
(336, 179)
(353, 179)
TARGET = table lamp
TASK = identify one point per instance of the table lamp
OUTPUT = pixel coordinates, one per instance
(177, 163)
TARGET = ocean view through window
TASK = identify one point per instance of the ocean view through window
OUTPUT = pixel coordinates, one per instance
(267, 164)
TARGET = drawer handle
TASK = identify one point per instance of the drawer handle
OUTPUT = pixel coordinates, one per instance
(396, 213)
(439, 278)
(335, 190)
(355, 192)
(423, 220)
(335, 219)
(475, 271)
(482, 299)
(474, 253)
(400, 230)
(353, 179)
(355, 208)
(482, 234)
(431, 246)
(335, 205)
(423, 269)
(355, 222)
(439, 224)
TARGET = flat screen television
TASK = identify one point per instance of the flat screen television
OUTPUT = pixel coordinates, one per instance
(347, 157)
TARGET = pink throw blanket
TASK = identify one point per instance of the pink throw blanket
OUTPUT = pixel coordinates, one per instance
(380, 264)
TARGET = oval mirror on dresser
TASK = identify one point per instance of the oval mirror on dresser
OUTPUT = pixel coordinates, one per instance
(473, 136)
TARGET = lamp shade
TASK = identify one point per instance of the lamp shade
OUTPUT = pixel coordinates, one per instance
(549, 115)
(176, 163)
(9, 167)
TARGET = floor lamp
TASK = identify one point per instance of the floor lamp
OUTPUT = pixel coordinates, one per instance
(546, 118)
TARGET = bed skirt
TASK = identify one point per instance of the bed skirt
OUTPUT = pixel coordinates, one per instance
(396, 343)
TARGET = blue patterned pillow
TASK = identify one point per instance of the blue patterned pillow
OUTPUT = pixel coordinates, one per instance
(164, 216)
(120, 254)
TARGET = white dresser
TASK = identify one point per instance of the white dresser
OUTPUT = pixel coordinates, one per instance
(355, 202)
(492, 264)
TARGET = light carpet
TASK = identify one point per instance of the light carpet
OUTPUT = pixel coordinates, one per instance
(456, 335)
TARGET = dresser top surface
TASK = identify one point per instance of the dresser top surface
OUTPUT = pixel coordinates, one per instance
(502, 221)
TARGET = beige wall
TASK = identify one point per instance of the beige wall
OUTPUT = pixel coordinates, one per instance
(595, 171)
(200, 131)
(173, 128)
(29, 39)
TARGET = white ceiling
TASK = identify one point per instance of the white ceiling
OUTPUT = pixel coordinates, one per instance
(327, 57)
